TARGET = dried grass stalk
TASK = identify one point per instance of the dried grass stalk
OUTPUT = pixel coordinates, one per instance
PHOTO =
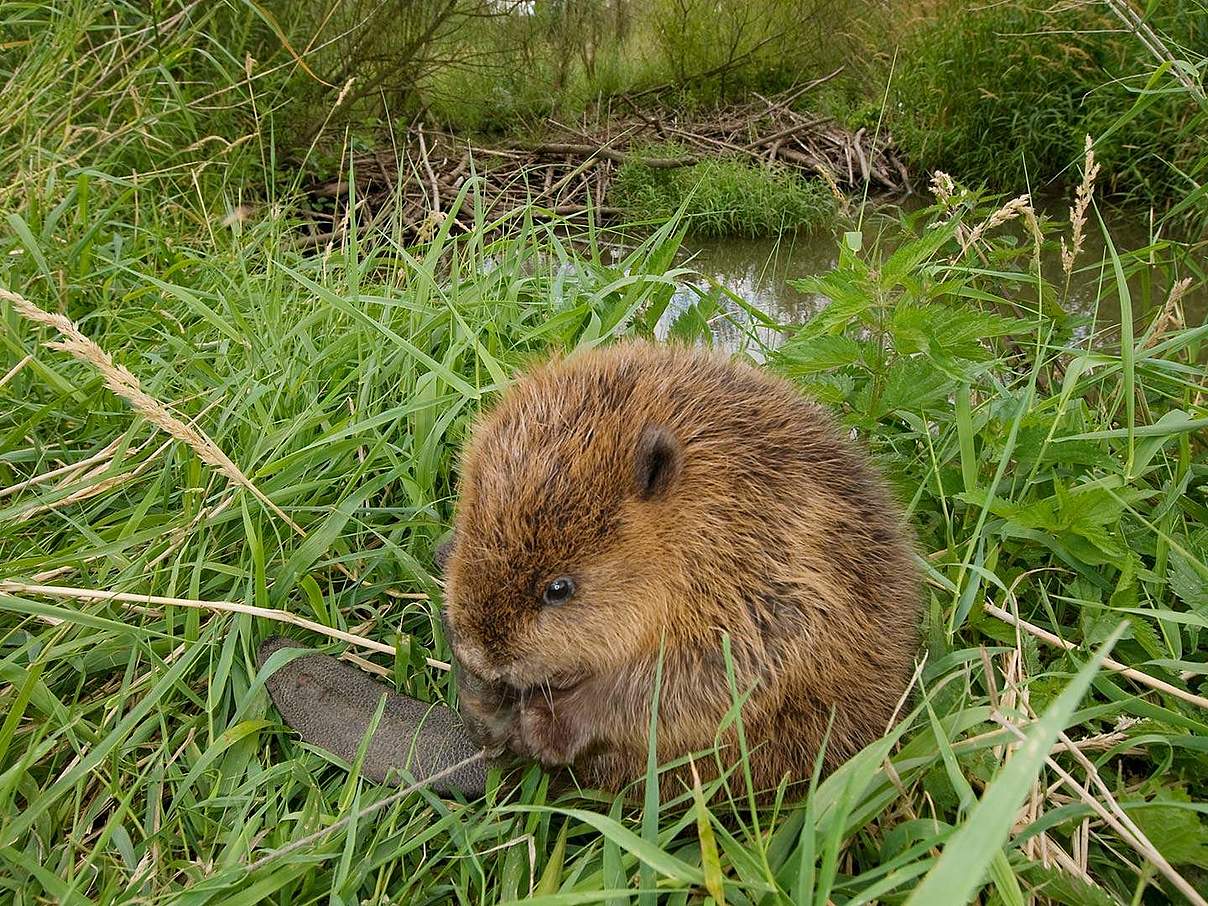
(1143, 678)
(118, 379)
(67, 472)
(15, 370)
(1115, 816)
(1008, 212)
(268, 613)
(1171, 316)
(1082, 201)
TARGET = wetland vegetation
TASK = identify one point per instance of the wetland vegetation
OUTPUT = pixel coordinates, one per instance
(229, 399)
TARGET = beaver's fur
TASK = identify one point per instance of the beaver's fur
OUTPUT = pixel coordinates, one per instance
(688, 497)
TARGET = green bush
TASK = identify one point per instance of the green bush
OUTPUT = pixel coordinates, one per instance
(724, 197)
(1006, 93)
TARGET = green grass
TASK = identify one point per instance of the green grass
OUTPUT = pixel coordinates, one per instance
(140, 760)
(1003, 94)
(723, 197)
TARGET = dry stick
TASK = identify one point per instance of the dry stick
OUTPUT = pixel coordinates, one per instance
(368, 810)
(8, 586)
(620, 157)
(783, 103)
(1138, 841)
(12, 372)
(782, 134)
(1144, 678)
(423, 151)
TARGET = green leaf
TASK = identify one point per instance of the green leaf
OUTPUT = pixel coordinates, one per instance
(1178, 833)
(646, 852)
(316, 545)
(910, 385)
(910, 255)
(552, 875)
(813, 354)
(1186, 582)
(714, 882)
(1147, 636)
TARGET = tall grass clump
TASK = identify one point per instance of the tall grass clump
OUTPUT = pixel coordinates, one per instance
(723, 197)
(1003, 93)
(119, 94)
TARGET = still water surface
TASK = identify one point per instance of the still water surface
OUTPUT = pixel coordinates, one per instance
(760, 270)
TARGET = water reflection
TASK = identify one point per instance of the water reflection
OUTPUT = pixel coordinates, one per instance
(759, 271)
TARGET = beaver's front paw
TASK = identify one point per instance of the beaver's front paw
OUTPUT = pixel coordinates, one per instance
(549, 733)
(489, 712)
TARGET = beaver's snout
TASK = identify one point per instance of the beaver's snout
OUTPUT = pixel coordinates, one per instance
(474, 660)
(469, 654)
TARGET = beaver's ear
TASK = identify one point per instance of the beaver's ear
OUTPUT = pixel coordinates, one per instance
(658, 461)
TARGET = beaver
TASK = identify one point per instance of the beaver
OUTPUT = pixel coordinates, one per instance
(640, 511)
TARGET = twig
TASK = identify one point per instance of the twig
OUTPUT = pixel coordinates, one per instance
(423, 154)
(782, 134)
(406, 791)
(620, 157)
(9, 586)
(1137, 840)
(783, 103)
(1144, 678)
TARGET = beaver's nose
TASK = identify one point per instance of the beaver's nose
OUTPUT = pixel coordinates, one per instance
(468, 651)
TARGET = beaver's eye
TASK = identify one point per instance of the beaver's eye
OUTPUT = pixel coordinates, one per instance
(559, 591)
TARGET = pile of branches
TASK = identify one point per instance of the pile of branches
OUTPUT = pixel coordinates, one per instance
(570, 168)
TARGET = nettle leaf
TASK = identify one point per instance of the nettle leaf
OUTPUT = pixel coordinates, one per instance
(1080, 518)
(909, 256)
(1033, 442)
(1187, 584)
(850, 304)
(1147, 637)
(910, 385)
(1125, 594)
(831, 389)
(1088, 505)
(1098, 624)
(843, 285)
(943, 331)
(1185, 580)
(1178, 833)
(814, 354)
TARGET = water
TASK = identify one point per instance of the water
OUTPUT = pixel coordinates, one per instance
(759, 272)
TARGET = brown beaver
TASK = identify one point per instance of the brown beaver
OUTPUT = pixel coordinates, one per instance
(637, 497)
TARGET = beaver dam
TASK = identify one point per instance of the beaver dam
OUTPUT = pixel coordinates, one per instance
(573, 169)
